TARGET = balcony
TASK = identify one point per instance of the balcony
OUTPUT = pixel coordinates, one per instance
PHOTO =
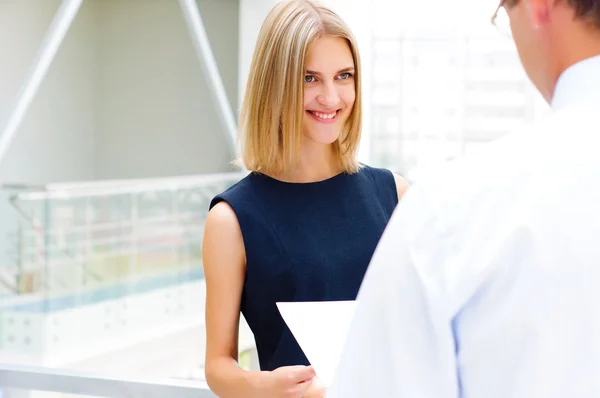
(103, 289)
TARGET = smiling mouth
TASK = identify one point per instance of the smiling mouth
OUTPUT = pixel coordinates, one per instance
(325, 117)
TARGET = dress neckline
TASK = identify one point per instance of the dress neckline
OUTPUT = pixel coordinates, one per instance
(308, 183)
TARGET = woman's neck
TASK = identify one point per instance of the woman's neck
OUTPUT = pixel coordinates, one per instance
(314, 165)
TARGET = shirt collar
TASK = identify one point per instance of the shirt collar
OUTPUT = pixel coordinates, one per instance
(579, 85)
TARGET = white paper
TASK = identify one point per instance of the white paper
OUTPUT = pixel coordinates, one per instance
(320, 328)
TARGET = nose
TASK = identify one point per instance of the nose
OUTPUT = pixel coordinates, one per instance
(329, 96)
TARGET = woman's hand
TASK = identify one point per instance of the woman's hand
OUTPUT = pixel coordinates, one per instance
(316, 389)
(285, 382)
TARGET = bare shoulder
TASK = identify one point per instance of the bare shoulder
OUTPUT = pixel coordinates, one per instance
(401, 185)
(222, 216)
(222, 234)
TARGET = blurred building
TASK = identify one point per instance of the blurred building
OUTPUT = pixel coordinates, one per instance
(440, 90)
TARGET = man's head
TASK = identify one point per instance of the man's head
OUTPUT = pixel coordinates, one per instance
(552, 35)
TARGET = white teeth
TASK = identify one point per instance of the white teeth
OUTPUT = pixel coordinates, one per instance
(324, 115)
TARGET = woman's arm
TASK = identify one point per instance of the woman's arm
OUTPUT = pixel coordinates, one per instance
(224, 261)
(223, 258)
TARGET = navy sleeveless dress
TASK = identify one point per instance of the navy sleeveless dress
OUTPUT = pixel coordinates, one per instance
(305, 242)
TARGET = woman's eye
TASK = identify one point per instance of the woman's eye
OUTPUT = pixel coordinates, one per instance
(309, 79)
(345, 75)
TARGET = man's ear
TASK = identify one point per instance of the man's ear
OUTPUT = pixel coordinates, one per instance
(538, 11)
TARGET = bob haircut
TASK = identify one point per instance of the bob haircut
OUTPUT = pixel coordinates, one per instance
(273, 109)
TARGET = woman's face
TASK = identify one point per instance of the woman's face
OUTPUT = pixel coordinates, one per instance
(329, 89)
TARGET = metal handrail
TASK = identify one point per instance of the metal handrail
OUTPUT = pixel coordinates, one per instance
(114, 187)
(71, 382)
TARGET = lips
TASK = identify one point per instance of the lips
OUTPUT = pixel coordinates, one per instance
(324, 117)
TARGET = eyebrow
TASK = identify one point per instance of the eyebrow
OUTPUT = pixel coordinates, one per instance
(348, 69)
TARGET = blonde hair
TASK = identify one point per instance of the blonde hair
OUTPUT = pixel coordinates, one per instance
(272, 112)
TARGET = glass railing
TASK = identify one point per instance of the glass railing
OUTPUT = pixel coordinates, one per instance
(78, 240)
(9, 236)
(106, 277)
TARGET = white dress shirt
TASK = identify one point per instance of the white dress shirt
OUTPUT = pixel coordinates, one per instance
(486, 282)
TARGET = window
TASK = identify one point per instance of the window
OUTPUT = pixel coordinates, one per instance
(440, 87)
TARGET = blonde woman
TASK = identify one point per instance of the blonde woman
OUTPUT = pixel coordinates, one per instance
(303, 225)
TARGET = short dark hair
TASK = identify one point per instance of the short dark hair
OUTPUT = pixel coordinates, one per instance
(584, 9)
(587, 9)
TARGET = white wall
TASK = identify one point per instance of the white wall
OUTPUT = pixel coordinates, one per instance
(55, 140)
(155, 113)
